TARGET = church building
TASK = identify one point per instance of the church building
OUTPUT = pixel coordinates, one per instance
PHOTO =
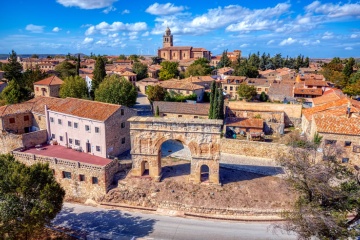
(171, 52)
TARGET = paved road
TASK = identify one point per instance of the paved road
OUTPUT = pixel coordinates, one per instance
(101, 223)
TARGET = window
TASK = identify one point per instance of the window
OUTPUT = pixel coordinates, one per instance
(98, 148)
(61, 138)
(328, 142)
(37, 88)
(81, 177)
(123, 140)
(179, 115)
(59, 121)
(123, 125)
(196, 116)
(67, 175)
(225, 88)
(97, 130)
(94, 180)
(26, 118)
(69, 124)
(51, 119)
(347, 143)
(39, 117)
(259, 89)
(53, 136)
(76, 125)
(164, 114)
(70, 141)
(122, 111)
(345, 160)
(87, 128)
(77, 142)
(12, 120)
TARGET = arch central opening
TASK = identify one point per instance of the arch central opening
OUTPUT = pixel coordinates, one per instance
(174, 160)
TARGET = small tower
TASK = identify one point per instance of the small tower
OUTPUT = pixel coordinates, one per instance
(167, 38)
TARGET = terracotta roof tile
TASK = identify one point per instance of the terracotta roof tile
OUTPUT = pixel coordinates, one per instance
(319, 83)
(325, 107)
(53, 80)
(244, 122)
(180, 84)
(337, 125)
(308, 91)
(183, 108)
(328, 96)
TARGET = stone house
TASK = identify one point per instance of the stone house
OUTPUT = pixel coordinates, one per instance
(82, 176)
(261, 85)
(223, 72)
(48, 87)
(100, 129)
(231, 84)
(182, 110)
(246, 125)
(144, 83)
(307, 92)
(344, 131)
(16, 118)
(153, 71)
(281, 92)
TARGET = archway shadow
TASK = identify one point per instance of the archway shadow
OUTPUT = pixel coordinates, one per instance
(175, 170)
(174, 148)
(111, 224)
(229, 173)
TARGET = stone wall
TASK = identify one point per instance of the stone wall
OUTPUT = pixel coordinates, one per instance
(16, 122)
(74, 187)
(9, 142)
(186, 116)
(252, 148)
(34, 138)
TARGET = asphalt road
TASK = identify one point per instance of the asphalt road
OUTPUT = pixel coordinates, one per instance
(101, 223)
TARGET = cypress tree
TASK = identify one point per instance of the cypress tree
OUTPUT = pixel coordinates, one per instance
(220, 104)
(212, 99)
(215, 105)
(99, 75)
(157, 113)
(78, 65)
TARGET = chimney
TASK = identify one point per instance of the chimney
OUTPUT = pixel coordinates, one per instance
(348, 110)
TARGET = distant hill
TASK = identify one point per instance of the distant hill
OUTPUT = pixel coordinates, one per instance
(5, 56)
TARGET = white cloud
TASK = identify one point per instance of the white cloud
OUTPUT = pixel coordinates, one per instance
(164, 9)
(88, 40)
(56, 29)
(113, 35)
(87, 4)
(244, 45)
(334, 10)
(270, 42)
(355, 35)
(68, 32)
(348, 48)
(133, 35)
(34, 28)
(101, 42)
(109, 9)
(105, 28)
(307, 42)
(145, 34)
(126, 11)
(288, 41)
(328, 35)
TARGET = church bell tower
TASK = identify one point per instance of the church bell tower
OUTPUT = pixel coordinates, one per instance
(167, 38)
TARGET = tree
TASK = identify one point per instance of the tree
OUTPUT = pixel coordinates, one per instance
(33, 75)
(78, 65)
(328, 192)
(263, 97)
(157, 112)
(348, 69)
(224, 60)
(212, 99)
(117, 90)
(15, 93)
(122, 57)
(13, 69)
(168, 70)
(199, 67)
(140, 70)
(30, 198)
(246, 91)
(156, 93)
(134, 57)
(352, 89)
(34, 56)
(156, 60)
(75, 87)
(246, 70)
(66, 69)
(218, 111)
(99, 74)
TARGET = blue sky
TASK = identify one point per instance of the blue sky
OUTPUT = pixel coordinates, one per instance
(313, 28)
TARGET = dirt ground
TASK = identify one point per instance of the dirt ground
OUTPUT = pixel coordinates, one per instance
(239, 189)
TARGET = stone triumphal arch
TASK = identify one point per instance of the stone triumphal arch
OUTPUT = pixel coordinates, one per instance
(201, 136)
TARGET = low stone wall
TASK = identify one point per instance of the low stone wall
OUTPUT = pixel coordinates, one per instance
(252, 148)
(75, 188)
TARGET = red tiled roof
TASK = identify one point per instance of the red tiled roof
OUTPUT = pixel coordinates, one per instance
(319, 83)
(337, 125)
(53, 80)
(329, 96)
(325, 107)
(244, 122)
(180, 84)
